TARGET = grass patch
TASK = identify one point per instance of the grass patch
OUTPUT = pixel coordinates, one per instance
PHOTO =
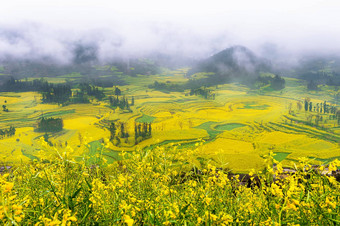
(59, 113)
(326, 160)
(254, 106)
(71, 75)
(280, 156)
(208, 127)
(146, 119)
(32, 157)
(97, 151)
(229, 126)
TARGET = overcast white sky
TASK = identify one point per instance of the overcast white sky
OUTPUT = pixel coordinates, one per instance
(187, 24)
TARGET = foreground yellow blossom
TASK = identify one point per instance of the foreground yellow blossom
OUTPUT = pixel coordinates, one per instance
(155, 187)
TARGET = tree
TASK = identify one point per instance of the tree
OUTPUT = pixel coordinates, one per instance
(278, 83)
(149, 129)
(112, 130)
(11, 131)
(338, 116)
(312, 85)
(306, 104)
(7, 132)
(142, 131)
(123, 134)
(4, 108)
(121, 102)
(325, 107)
(118, 92)
(50, 124)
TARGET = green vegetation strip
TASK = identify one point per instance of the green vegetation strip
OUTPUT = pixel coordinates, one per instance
(153, 146)
(280, 156)
(59, 113)
(304, 130)
(252, 105)
(145, 118)
(97, 151)
(325, 161)
(208, 127)
(229, 126)
(32, 157)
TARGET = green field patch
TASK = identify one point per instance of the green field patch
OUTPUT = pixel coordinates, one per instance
(280, 156)
(97, 152)
(146, 119)
(59, 113)
(326, 160)
(71, 75)
(10, 95)
(188, 145)
(228, 126)
(30, 156)
(254, 106)
(208, 127)
(183, 100)
(188, 142)
(5, 120)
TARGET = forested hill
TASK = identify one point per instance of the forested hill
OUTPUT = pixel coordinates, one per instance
(236, 61)
(319, 69)
(49, 68)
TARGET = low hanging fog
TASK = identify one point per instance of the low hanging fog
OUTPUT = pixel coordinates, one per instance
(104, 30)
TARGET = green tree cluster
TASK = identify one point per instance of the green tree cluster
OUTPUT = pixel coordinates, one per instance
(7, 132)
(50, 124)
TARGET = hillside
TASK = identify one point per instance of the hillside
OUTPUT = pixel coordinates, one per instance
(320, 69)
(233, 62)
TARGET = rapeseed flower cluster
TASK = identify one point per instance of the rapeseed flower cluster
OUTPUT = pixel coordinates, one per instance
(159, 187)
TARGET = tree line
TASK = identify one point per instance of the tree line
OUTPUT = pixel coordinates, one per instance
(86, 90)
(276, 82)
(91, 90)
(7, 132)
(142, 131)
(319, 107)
(323, 107)
(54, 93)
(203, 92)
(14, 85)
(119, 131)
(121, 102)
(50, 124)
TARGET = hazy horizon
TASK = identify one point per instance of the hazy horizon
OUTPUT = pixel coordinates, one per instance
(193, 29)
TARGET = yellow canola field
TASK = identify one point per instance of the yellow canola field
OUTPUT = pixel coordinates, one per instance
(176, 135)
(213, 114)
(11, 147)
(176, 116)
(79, 122)
(239, 156)
(278, 137)
(81, 128)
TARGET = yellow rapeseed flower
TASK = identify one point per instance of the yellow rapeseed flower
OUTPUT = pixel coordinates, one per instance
(128, 220)
(8, 187)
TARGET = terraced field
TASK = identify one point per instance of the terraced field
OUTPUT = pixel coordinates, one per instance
(235, 130)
